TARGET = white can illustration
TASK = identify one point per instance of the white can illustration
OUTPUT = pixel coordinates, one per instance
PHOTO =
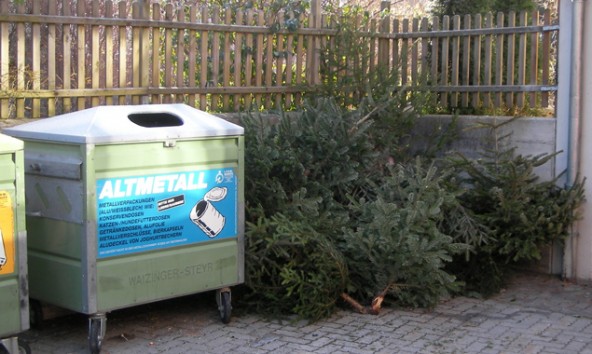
(206, 216)
(2, 251)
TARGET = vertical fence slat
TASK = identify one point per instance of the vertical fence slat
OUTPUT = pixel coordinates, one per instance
(268, 62)
(315, 51)
(51, 58)
(168, 51)
(289, 64)
(203, 76)
(373, 46)
(424, 53)
(414, 53)
(299, 63)
(238, 60)
(215, 79)
(156, 69)
(5, 110)
(383, 44)
(310, 49)
(476, 77)
(144, 49)
(226, 61)
(136, 62)
(455, 60)
(249, 60)
(521, 60)
(21, 69)
(67, 60)
(81, 54)
(546, 60)
(466, 61)
(35, 73)
(405, 54)
(534, 59)
(191, 98)
(259, 58)
(109, 51)
(445, 66)
(396, 56)
(327, 45)
(95, 55)
(180, 67)
(435, 53)
(499, 60)
(510, 65)
(487, 60)
(281, 56)
(122, 57)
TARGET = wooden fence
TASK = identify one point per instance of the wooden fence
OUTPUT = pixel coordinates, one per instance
(56, 58)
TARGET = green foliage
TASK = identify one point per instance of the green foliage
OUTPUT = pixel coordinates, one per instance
(521, 212)
(330, 211)
(464, 7)
(394, 241)
(292, 268)
(312, 149)
(321, 195)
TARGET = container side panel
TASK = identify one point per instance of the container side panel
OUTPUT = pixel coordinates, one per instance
(11, 307)
(153, 276)
(53, 237)
(54, 198)
(55, 280)
(54, 259)
(53, 181)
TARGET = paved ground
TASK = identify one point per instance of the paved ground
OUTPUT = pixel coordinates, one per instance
(536, 314)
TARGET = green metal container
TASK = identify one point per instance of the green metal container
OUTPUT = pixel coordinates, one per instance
(14, 304)
(128, 205)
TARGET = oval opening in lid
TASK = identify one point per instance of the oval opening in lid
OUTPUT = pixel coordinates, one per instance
(155, 120)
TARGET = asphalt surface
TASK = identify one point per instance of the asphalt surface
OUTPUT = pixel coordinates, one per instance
(534, 314)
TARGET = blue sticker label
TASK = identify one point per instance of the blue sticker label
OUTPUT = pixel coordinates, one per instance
(143, 213)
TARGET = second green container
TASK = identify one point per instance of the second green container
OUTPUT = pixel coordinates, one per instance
(14, 305)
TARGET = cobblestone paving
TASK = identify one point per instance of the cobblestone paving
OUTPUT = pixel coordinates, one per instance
(536, 314)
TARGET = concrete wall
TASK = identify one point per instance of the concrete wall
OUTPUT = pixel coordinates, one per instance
(530, 136)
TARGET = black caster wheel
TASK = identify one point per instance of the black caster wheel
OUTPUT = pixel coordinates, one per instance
(224, 301)
(97, 326)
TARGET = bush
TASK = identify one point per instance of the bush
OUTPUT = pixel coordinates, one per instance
(292, 268)
(394, 241)
(328, 214)
(522, 213)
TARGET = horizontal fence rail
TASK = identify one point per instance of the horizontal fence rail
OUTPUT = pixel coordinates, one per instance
(56, 58)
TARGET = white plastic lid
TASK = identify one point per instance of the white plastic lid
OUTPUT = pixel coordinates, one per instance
(134, 123)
